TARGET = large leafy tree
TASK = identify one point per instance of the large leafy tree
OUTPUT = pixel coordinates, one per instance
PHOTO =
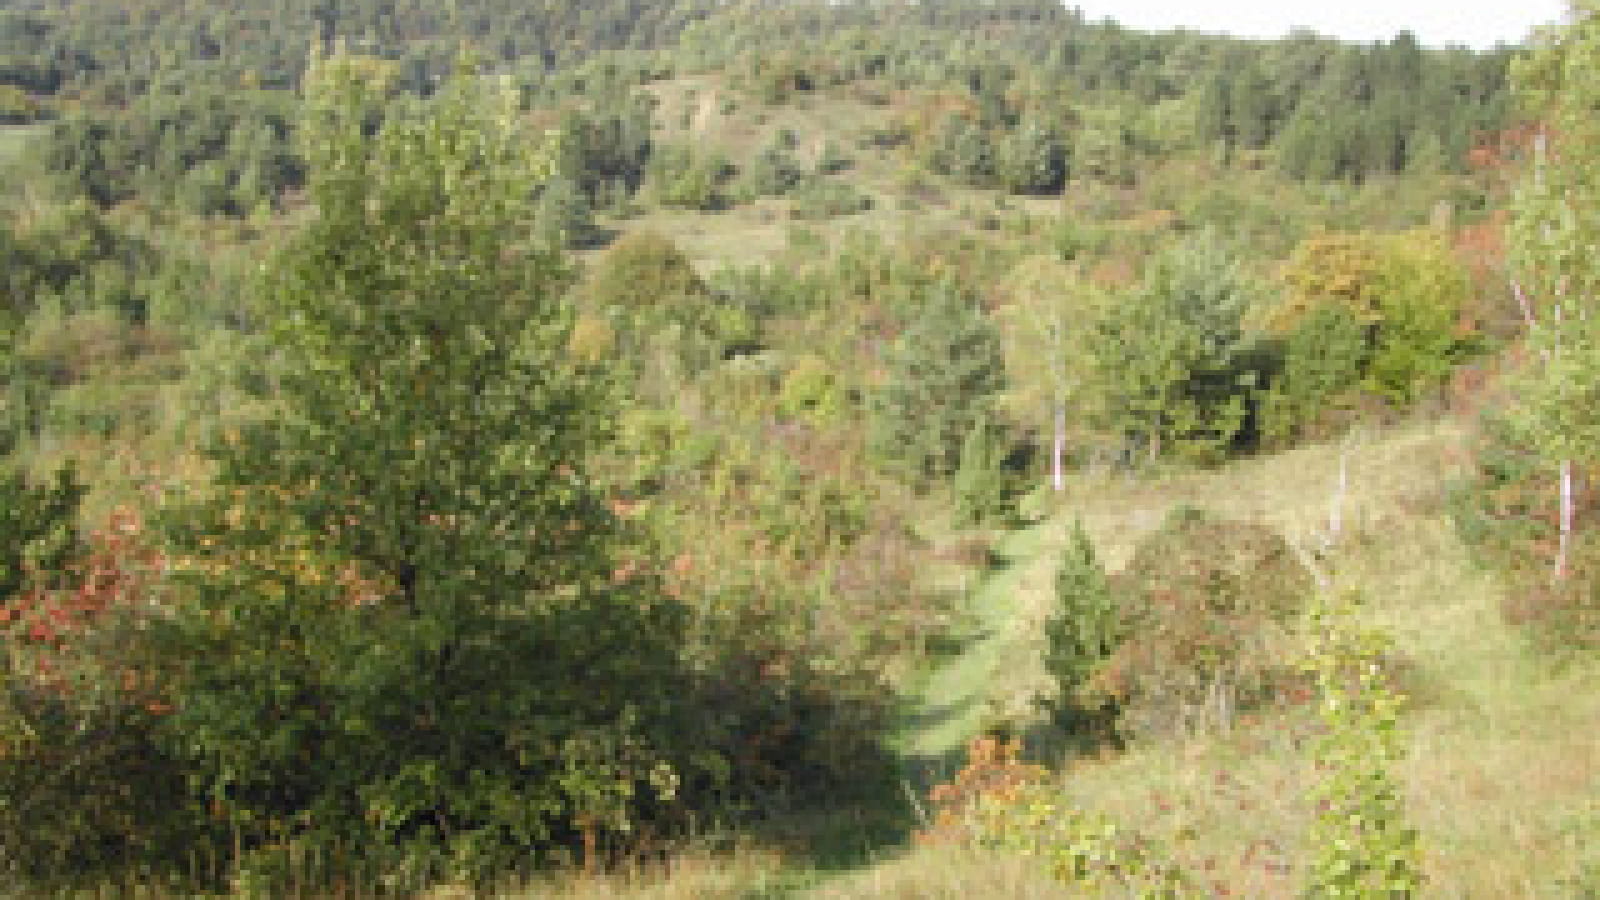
(404, 618)
(1551, 436)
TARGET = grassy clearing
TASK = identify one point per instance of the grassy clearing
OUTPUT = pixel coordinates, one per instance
(703, 111)
(14, 140)
(1503, 769)
(957, 699)
(1502, 775)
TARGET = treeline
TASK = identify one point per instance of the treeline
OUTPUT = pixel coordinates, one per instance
(105, 55)
(1022, 96)
(1023, 89)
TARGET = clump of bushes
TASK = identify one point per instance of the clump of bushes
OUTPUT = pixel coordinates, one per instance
(1365, 319)
(822, 198)
(682, 177)
(1194, 629)
(1000, 802)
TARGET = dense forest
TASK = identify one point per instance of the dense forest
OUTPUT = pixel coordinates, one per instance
(731, 449)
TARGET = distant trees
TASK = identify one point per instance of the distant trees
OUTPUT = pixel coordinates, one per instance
(205, 150)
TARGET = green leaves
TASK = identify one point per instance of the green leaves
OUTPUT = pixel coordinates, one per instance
(1086, 629)
(38, 530)
(1361, 843)
(942, 375)
(1174, 364)
(1554, 228)
(397, 617)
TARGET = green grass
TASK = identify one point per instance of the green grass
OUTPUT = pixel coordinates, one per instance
(760, 231)
(14, 139)
(961, 696)
(1502, 776)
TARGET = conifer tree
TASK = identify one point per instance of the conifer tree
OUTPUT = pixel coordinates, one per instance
(943, 375)
(1175, 364)
(1086, 628)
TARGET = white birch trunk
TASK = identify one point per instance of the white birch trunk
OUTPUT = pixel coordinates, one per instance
(1566, 520)
(1336, 509)
(1058, 478)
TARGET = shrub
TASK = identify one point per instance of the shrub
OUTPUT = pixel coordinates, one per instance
(773, 171)
(1508, 512)
(1000, 802)
(1322, 363)
(811, 388)
(1031, 159)
(1207, 607)
(1361, 844)
(86, 784)
(831, 160)
(824, 198)
(684, 177)
(657, 303)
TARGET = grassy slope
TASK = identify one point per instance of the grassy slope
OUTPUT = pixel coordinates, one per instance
(14, 138)
(1503, 766)
(703, 112)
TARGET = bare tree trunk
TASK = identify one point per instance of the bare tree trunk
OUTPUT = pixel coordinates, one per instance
(1057, 476)
(1336, 512)
(1566, 520)
(1522, 302)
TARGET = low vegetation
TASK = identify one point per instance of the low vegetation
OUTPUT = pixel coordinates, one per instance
(765, 449)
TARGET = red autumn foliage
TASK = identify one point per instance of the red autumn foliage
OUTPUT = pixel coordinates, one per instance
(64, 615)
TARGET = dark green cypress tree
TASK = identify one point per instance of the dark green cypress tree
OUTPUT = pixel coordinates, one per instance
(1085, 631)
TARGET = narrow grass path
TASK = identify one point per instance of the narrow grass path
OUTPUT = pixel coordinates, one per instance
(952, 704)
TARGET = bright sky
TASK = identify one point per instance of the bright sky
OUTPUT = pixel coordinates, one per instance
(1476, 23)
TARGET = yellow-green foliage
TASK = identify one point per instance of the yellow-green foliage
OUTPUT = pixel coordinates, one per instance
(1407, 289)
(1362, 845)
(811, 388)
(641, 271)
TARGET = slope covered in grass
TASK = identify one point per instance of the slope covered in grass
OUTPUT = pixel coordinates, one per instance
(1502, 775)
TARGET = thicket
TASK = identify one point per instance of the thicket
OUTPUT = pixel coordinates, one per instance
(1195, 628)
(1366, 321)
